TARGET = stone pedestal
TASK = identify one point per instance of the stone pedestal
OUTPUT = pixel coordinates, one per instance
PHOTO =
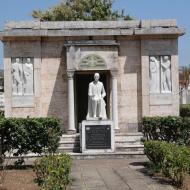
(97, 136)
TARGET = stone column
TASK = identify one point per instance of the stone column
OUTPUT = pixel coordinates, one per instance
(114, 99)
(71, 107)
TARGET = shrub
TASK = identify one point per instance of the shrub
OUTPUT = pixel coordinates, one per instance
(37, 135)
(53, 172)
(171, 160)
(185, 110)
(170, 129)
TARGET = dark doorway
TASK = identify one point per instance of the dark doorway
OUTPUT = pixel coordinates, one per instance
(82, 80)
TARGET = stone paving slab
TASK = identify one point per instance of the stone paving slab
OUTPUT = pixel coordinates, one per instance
(113, 174)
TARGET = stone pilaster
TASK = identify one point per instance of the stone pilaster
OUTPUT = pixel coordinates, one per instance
(114, 74)
(71, 108)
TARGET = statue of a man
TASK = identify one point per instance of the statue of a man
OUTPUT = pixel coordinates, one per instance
(17, 77)
(96, 103)
(166, 74)
(28, 77)
(154, 75)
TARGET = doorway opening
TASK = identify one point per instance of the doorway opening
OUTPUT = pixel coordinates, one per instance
(82, 80)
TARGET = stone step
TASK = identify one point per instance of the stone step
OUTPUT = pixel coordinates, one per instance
(128, 138)
(129, 148)
(115, 155)
(69, 144)
(65, 138)
(64, 149)
(121, 143)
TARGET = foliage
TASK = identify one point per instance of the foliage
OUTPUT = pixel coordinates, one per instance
(185, 110)
(73, 10)
(2, 113)
(170, 129)
(171, 160)
(184, 72)
(24, 135)
(53, 172)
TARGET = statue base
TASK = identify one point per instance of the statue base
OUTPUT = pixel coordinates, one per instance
(97, 136)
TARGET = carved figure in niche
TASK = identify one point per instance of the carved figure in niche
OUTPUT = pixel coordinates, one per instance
(17, 77)
(154, 75)
(166, 74)
(96, 103)
(28, 77)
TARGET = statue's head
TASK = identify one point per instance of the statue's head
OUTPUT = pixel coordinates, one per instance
(166, 58)
(152, 59)
(96, 76)
(28, 60)
(17, 60)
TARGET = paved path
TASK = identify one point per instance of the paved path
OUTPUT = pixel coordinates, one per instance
(113, 174)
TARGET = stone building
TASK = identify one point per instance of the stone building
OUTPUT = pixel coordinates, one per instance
(48, 66)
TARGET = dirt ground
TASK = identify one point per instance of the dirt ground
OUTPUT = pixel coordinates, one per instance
(186, 184)
(20, 180)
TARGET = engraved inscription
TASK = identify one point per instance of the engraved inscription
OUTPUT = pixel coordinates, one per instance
(98, 136)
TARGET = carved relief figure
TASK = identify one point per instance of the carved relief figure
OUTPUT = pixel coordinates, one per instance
(17, 77)
(96, 103)
(166, 74)
(28, 77)
(154, 75)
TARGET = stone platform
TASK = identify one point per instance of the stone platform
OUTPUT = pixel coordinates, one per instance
(127, 145)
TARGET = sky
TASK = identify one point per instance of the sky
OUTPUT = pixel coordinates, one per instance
(16, 10)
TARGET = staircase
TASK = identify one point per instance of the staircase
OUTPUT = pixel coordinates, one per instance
(126, 145)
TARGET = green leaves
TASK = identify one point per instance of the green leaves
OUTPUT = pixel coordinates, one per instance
(171, 160)
(185, 110)
(73, 10)
(37, 135)
(53, 172)
(170, 129)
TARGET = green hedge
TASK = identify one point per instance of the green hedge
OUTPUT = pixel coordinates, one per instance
(53, 172)
(171, 160)
(170, 129)
(185, 110)
(36, 135)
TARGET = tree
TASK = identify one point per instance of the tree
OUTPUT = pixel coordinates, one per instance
(73, 10)
(184, 75)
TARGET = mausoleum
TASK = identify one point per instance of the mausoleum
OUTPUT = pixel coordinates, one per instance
(49, 65)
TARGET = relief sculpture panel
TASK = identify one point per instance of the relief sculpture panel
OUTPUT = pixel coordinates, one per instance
(22, 76)
(160, 80)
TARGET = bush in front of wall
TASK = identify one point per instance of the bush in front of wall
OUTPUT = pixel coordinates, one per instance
(171, 160)
(53, 172)
(171, 129)
(24, 135)
(185, 110)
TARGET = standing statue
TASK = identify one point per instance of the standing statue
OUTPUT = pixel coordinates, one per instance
(96, 103)
(166, 74)
(28, 77)
(17, 77)
(154, 75)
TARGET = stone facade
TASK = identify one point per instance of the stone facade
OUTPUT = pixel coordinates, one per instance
(125, 46)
